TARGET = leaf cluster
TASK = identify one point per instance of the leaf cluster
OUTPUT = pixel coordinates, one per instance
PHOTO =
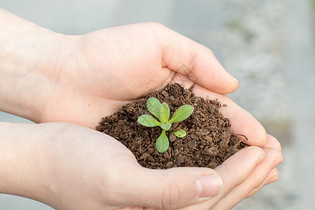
(161, 112)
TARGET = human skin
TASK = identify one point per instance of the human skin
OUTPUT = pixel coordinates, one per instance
(51, 77)
(72, 167)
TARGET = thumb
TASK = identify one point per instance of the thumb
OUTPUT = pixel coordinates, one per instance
(198, 62)
(172, 188)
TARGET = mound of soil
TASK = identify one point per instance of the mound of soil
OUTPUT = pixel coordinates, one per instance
(209, 140)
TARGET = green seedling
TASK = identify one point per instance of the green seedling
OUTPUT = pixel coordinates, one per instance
(162, 113)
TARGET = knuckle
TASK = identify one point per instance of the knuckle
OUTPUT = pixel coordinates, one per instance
(171, 196)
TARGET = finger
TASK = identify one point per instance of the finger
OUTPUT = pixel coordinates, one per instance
(274, 173)
(273, 176)
(272, 142)
(242, 121)
(233, 172)
(190, 58)
(165, 189)
(255, 179)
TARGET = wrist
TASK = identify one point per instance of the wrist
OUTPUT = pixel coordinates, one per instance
(22, 161)
(29, 56)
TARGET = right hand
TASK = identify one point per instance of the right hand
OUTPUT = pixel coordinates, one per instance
(72, 167)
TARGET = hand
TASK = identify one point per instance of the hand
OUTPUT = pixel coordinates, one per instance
(98, 72)
(110, 67)
(72, 167)
(79, 79)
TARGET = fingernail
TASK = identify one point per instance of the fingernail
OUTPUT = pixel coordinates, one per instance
(209, 186)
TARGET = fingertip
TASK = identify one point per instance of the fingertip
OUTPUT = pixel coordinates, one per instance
(272, 177)
(244, 123)
(230, 83)
(230, 86)
(236, 169)
(236, 83)
(197, 61)
(212, 74)
(243, 161)
(261, 135)
(272, 142)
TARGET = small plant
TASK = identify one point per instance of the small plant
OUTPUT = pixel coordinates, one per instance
(162, 113)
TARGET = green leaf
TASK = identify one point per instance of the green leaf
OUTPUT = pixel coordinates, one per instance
(182, 113)
(180, 133)
(162, 143)
(148, 121)
(166, 126)
(153, 105)
(164, 113)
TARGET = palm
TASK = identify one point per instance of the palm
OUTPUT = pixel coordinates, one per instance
(109, 68)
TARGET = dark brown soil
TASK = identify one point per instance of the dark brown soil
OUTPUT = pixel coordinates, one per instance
(209, 140)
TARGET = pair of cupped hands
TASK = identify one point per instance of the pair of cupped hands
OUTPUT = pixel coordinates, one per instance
(79, 79)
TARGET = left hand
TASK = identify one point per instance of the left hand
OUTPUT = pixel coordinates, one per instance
(72, 167)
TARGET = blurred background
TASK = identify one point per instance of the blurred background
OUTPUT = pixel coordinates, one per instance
(268, 45)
